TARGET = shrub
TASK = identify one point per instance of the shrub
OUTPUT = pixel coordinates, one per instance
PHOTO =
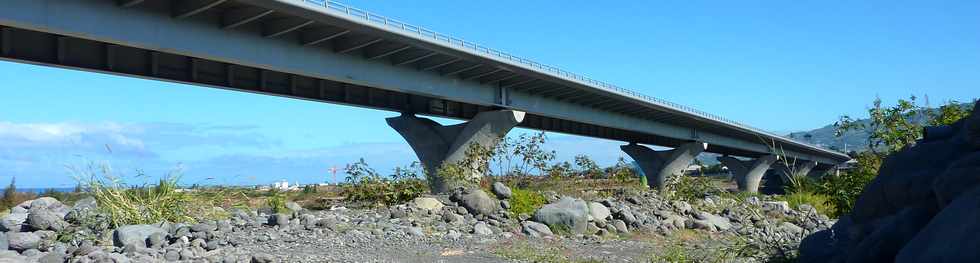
(277, 201)
(820, 202)
(365, 185)
(844, 189)
(11, 197)
(588, 167)
(524, 201)
(689, 188)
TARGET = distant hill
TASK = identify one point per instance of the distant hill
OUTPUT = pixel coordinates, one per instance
(855, 140)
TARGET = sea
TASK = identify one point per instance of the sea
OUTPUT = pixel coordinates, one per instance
(41, 190)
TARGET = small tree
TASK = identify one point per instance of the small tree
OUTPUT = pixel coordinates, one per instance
(588, 167)
(10, 194)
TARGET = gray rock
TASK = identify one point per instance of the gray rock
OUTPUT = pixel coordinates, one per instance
(21, 241)
(416, 231)
(452, 218)
(682, 207)
(13, 222)
(477, 202)
(397, 213)
(204, 227)
(481, 228)
(791, 228)
(11, 256)
(626, 215)
(535, 229)
(951, 236)
(599, 212)
(505, 204)
(427, 203)
(263, 258)
(620, 226)
(453, 235)
(280, 220)
(137, 234)
(960, 177)
(892, 233)
(501, 190)
(53, 257)
(4, 245)
(568, 213)
(45, 203)
(43, 219)
(157, 240)
(776, 206)
(294, 207)
(717, 222)
(81, 209)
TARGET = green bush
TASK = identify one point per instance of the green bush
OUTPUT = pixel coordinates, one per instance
(365, 185)
(844, 189)
(277, 201)
(524, 201)
(689, 188)
(820, 202)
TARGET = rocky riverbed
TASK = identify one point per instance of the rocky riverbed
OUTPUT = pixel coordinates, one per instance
(467, 226)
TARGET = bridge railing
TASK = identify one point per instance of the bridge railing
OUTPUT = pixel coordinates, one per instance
(544, 68)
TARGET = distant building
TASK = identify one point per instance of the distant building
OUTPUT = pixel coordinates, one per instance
(281, 185)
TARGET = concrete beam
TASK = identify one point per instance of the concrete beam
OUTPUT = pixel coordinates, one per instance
(187, 8)
(283, 26)
(240, 16)
(436, 145)
(748, 173)
(129, 3)
(415, 59)
(658, 165)
(310, 39)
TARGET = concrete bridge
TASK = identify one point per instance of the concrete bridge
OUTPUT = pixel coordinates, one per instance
(327, 52)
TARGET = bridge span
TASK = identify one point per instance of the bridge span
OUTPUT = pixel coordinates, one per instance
(327, 52)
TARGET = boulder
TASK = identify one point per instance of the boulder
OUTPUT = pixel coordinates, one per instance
(713, 222)
(599, 212)
(961, 176)
(11, 256)
(45, 203)
(535, 229)
(13, 222)
(477, 202)
(776, 206)
(279, 220)
(21, 241)
(501, 190)
(951, 236)
(481, 228)
(294, 207)
(42, 219)
(791, 228)
(890, 235)
(567, 213)
(81, 209)
(135, 234)
(620, 226)
(427, 203)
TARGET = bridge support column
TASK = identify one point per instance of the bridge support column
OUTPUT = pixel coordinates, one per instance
(435, 144)
(749, 173)
(658, 165)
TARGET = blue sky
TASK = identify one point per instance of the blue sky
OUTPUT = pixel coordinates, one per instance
(780, 66)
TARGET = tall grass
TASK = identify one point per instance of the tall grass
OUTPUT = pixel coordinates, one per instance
(143, 204)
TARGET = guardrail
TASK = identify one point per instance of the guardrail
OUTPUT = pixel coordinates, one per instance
(544, 68)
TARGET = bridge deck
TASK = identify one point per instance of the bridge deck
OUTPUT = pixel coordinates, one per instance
(328, 52)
